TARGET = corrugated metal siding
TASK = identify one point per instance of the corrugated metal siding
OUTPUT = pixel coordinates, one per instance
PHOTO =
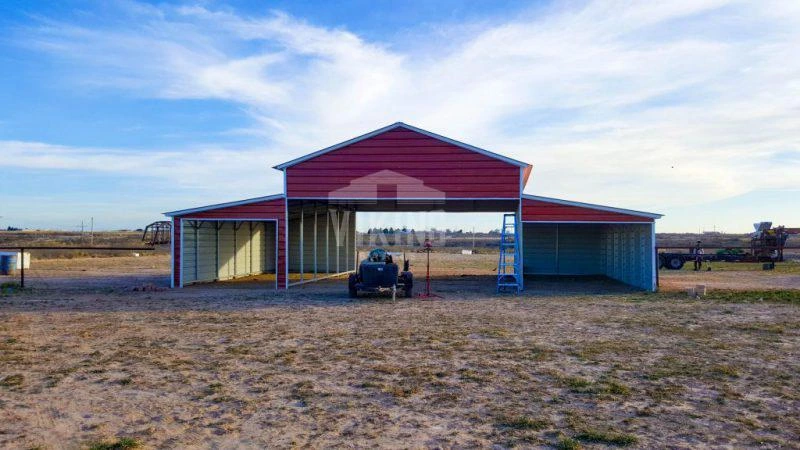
(242, 243)
(623, 252)
(630, 254)
(539, 249)
(268, 249)
(425, 164)
(294, 245)
(257, 248)
(536, 210)
(271, 209)
(227, 269)
(189, 260)
(176, 252)
(340, 228)
(581, 249)
(564, 249)
(207, 248)
(236, 254)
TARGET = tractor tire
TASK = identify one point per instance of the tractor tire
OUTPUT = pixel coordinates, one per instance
(351, 285)
(408, 283)
(675, 263)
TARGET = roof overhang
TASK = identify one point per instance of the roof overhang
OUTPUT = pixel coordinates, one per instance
(559, 201)
(408, 127)
(184, 212)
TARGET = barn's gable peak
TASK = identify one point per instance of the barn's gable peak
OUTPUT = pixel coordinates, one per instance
(401, 125)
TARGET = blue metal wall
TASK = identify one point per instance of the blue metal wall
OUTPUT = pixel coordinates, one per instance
(630, 254)
(624, 252)
(564, 249)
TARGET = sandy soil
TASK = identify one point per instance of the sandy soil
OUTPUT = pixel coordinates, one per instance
(679, 280)
(234, 365)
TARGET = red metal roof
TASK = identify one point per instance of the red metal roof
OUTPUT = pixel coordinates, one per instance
(545, 209)
(404, 162)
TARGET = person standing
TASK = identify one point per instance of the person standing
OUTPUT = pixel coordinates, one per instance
(698, 256)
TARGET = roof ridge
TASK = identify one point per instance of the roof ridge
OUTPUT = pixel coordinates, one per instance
(410, 128)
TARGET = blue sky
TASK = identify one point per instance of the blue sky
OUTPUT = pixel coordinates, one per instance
(120, 110)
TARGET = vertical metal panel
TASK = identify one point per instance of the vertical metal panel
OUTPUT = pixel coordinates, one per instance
(269, 264)
(293, 233)
(631, 254)
(540, 249)
(226, 251)
(257, 248)
(653, 256)
(581, 249)
(172, 255)
(564, 249)
(180, 274)
(327, 241)
(207, 254)
(189, 260)
(302, 243)
(242, 249)
(316, 228)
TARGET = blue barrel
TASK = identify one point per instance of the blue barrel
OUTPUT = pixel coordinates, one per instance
(8, 264)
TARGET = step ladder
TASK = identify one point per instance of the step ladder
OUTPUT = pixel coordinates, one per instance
(508, 268)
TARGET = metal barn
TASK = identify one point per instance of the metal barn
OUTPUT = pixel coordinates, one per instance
(308, 232)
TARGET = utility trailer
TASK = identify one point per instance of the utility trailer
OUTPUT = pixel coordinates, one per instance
(766, 245)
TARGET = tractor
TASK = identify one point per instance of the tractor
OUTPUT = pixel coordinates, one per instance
(378, 274)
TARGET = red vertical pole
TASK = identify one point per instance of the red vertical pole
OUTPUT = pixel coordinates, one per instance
(428, 274)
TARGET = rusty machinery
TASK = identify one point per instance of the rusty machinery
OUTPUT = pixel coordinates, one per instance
(158, 233)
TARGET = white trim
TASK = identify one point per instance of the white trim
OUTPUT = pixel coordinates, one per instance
(593, 206)
(172, 256)
(606, 222)
(180, 269)
(392, 127)
(237, 219)
(653, 257)
(286, 234)
(223, 205)
(438, 199)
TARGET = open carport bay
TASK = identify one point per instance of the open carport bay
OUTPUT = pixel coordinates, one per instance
(217, 250)
(622, 252)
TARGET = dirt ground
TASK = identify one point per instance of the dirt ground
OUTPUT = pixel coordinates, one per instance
(84, 358)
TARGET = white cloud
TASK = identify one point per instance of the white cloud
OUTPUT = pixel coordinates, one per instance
(235, 170)
(646, 105)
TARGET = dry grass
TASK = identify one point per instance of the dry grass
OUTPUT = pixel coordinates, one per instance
(205, 366)
(568, 365)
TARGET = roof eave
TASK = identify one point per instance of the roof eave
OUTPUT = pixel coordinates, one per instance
(630, 212)
(184, 212)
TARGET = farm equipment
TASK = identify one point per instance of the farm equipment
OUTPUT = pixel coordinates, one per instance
(157, 233)
(766, 245)
(379, 273)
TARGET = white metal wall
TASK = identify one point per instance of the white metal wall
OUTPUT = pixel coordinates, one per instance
(335, 239)
(223, 250)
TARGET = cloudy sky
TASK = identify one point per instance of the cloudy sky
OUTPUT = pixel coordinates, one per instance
(120, 110)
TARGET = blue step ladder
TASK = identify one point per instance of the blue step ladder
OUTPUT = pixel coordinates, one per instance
(509, 275)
